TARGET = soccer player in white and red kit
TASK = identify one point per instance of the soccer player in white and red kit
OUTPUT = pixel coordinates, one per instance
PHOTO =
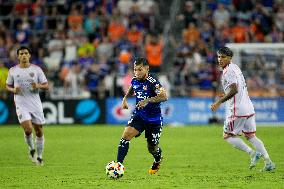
(240, 114)
(25, 80)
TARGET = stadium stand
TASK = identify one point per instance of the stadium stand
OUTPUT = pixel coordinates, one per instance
(86, 46)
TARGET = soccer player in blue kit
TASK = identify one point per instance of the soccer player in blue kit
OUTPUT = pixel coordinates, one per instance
(147, 114)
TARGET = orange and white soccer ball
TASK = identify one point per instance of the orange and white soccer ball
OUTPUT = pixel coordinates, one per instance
(114, 170)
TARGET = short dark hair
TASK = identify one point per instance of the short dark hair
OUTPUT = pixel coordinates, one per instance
(141, 60)
(23, 48)
(225, 51)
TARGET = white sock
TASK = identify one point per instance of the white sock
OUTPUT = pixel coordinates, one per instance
(29, 140)
(39, 146)
(239, 144)
(259, 146)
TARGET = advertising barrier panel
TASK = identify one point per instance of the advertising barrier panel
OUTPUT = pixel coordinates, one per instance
(87, 111)
(194, 111)
(176, 111)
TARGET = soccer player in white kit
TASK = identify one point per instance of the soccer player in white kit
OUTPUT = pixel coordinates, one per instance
(240, 114)
(24, 80)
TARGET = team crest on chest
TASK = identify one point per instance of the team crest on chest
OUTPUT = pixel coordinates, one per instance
(145, 87)
(32, 74)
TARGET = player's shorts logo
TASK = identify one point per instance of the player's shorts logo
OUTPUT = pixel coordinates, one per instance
(32, 74)
(4, 113)
(88, 111)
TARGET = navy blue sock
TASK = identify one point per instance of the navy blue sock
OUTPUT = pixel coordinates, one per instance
(122, 150)
(158, 155)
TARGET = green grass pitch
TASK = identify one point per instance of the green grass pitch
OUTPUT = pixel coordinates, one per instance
(194, 157)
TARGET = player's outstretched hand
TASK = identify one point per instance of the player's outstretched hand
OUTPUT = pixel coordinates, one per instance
(17, 90)
(142, 104)
(124, 104)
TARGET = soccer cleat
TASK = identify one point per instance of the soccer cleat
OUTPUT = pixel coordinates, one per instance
(254, 159)
(39, 161)
(155, 167)
(32, 155)
(269, 166)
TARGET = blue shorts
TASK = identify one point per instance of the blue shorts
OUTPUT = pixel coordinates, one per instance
(152, 130)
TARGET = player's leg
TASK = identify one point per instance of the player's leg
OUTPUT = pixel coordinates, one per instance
(249, 132)
(39, 142)
(153, 134)
(38, 121)
(28, 134)
(128, 133)
(24, 118)
(233, 127)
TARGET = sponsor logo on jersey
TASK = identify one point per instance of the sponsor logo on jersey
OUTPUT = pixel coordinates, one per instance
(32, 74)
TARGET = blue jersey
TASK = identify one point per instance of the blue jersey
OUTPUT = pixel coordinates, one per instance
(145, 89)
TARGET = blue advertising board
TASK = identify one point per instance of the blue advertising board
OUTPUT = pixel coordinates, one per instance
(194, 111)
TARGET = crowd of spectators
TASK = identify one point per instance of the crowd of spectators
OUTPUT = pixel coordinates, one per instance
(86, 47)
(222, 22)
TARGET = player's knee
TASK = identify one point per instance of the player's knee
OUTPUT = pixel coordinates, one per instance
(227, 135)
(129, 133)
(38, 130)
(249, 135)
(28, 131)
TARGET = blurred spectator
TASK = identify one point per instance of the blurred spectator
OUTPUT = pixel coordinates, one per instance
(39, 19)
(239, 32)
(75, 20)
(3, 50)
(191, 34)
(74, 82)
(105, 49)
(93, 79)
(153, 52)
(134, 35)
(22, 33)
(116, 30)
(279, 18)
(3, 77)
(85, 47)
(188, 15)
(125, 6)
(124, 59)
(221, 16)
(55, 51)
(70, 48)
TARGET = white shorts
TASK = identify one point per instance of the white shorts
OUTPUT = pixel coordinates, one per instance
(239, 125)
(36, 117)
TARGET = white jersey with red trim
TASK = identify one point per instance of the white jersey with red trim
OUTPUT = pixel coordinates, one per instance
(23, 77)
(240, 105)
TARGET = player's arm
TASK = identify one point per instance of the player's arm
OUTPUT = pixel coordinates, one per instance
(160, 97)
(129, 92)
(12, 89)
(43, 86)
(233, 91)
